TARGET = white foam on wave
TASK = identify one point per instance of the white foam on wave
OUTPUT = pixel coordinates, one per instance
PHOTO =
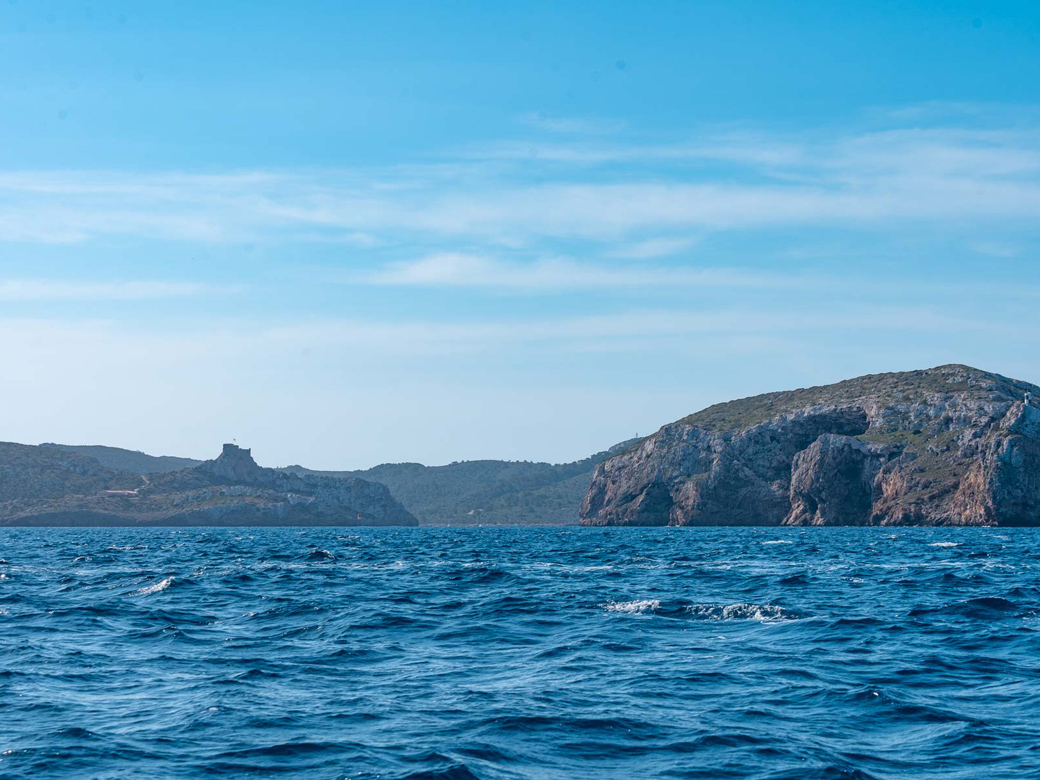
(760, 612)
(779, 541)
(156, 588)
(945, 544)
(633, 607)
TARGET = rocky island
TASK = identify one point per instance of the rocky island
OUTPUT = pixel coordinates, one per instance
(50, 486)
(951, 445)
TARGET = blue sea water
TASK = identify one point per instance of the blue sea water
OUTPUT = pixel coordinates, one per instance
(802, 654)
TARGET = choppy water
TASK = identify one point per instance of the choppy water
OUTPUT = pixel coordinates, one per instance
(520, 653)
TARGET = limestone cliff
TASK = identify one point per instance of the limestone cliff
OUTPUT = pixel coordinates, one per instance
(951, 445)
(47, 486)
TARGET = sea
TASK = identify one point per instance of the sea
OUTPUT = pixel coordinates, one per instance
(501, 653)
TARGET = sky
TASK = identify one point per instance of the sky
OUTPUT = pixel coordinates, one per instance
(353, 233)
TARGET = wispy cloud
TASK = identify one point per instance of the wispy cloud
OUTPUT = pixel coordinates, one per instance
(462, 270)
(1001, 249)
(652, 248)
(635, 331)
(560, 274)
(526, 192)
(540, 120)
(740, 149)
(625, 331)
(37, 290)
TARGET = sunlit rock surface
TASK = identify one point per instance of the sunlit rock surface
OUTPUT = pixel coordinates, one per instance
(951, 445)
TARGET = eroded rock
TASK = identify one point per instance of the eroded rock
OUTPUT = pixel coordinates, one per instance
(951, 445)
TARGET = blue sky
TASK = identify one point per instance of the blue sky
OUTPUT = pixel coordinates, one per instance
(354, 233)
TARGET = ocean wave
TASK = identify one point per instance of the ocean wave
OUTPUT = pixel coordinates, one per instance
(454, 772)
(282, 750)
(945, 544)
(760, 612)
(158, 587)
(633, 607)
(980, 608)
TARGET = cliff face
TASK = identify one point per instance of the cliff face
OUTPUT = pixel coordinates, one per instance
(947, 446)
(47, 486)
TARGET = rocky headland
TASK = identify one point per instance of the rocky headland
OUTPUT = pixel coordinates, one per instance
(951, 445)
(51, 486)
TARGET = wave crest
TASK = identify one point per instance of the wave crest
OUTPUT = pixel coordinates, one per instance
(638, 607)
(760, 612)
(155, 588)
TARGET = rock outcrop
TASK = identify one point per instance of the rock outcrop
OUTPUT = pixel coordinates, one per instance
(951, 445)
(48, 486)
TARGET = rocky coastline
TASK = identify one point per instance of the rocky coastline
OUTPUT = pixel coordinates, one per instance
(951, 445)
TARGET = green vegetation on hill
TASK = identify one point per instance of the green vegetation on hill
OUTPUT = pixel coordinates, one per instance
(907, 387)
(28, 472)
(129, 460)
(45, 486)
(487, 492)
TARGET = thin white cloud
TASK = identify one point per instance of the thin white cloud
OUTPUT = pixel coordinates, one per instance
(741, 149)
(518, 194)
(1001, 249)
(262, 344)
(462, 270)
(42, 290)
(570, 124)
(652, 248)
(557, 275)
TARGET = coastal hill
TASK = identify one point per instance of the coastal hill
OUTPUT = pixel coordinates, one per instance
(951, 445)
(129, 460)
(485, 492)
(51, 486)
